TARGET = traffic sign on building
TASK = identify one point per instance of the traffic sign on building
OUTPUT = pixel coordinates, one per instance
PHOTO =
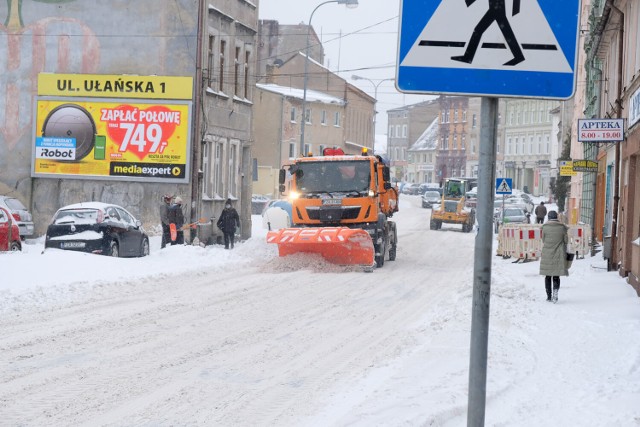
(488, 48)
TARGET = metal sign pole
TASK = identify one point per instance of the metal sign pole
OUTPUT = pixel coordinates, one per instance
(482, 263)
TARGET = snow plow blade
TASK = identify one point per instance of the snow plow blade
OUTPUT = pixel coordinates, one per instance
(338, 245)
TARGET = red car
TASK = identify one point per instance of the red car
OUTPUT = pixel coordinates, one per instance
(9, 232)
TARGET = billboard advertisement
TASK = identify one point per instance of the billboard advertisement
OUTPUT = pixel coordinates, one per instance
(115, 127)
(112, 139)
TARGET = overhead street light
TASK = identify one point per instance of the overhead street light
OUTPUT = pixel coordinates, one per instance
(375, 95)
(351, 4)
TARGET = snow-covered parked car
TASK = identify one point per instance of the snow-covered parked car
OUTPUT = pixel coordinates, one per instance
(20, 213)
(98, 228)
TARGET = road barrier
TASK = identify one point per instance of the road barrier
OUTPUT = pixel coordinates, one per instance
(579, 240)
(524, 241)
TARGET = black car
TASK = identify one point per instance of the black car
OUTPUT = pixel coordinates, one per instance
(98, 228)
(430, 198)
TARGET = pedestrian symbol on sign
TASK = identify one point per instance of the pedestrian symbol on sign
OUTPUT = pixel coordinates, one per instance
(503, 186)
(496, 13)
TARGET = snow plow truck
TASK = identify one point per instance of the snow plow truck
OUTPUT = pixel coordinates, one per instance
(341, 209)
(453, 209)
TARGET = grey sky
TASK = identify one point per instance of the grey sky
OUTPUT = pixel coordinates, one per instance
(367, 47)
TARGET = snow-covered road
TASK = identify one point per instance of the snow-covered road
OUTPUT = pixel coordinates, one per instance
(262, 340)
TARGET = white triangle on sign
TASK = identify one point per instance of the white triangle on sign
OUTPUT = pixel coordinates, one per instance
(450, 28)
(504, 187)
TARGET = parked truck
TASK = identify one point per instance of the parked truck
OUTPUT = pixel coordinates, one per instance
(341, 209)
(453, 209)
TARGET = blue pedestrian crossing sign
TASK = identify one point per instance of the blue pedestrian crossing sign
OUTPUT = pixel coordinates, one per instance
(502, 48)
(504, 185)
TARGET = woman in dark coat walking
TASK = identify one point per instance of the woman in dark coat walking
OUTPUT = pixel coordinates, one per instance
(553, 261)
(227, 223)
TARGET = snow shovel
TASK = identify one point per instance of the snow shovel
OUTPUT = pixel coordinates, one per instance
(173, 231)
(193, 224)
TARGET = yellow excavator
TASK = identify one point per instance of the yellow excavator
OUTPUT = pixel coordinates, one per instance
(453, 209)
(341, 209)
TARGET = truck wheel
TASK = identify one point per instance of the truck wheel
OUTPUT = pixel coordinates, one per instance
(433, 225)
(380, 258)
(15, 247)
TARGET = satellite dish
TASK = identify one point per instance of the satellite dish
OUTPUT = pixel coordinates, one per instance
(278, 63)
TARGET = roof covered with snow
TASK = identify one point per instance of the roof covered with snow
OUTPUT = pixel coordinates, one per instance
(292, 92)
(429, 138)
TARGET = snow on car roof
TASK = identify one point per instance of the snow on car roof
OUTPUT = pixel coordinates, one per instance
(86, 205)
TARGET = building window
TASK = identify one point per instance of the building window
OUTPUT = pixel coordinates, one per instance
(455, 142)
(292, 150)
(217, 169)
(294, 112)
(307, 148)
(236, 72)
(515, 146)
(404, 131)
(446, 116)
(531, 144)
(307, 115)
(539, 145)
(464, 115)
(206, 170)
(223, 48)
(247, 58)
(323, 117)
(508, 147)
(397, 131)
(390, 132)
(336, 119)
(522, 141)
(211, 60)
(233, 170)
(463, 145)
(548, 145)
(473, 121)
(455, 115)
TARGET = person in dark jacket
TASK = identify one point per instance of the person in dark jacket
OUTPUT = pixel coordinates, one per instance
(553, 259)
(541, 212)
(176, 216)
(227, 223)
(164, 219)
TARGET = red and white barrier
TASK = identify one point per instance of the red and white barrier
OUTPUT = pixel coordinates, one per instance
(524, 241)
(521, 241)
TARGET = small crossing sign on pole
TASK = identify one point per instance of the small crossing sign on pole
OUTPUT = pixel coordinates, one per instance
(504, 185)
(489, 47)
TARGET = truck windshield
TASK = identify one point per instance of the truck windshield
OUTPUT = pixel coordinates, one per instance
(333, 176)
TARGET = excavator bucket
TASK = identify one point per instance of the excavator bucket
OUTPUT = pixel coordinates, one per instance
(338, 245)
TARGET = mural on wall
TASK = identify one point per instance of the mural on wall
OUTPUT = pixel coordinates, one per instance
(48, 44)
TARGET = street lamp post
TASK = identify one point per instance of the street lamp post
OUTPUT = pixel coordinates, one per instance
(375, 95)
(350, 4)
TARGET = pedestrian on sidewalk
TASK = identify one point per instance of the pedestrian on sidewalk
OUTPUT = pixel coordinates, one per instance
(164, 219)
(227, 223)
(541, 212)
(553, 259)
